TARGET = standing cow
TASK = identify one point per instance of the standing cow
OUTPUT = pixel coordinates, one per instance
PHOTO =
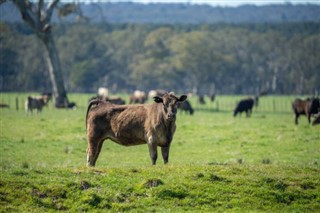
(244, 105)
(152, 124)
(305, 107)
(36, 103)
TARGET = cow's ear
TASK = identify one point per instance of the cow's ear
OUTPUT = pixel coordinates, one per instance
(182, 98)
(157, 99)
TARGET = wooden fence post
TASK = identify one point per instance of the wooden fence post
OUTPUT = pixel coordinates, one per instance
(17, 104)
(217, 106)
(274, 105)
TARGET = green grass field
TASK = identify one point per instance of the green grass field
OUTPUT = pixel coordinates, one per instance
(217, 163)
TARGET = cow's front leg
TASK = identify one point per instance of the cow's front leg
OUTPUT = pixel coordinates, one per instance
(165, 153)
(153, 151)
(296, 118)
(309, 117)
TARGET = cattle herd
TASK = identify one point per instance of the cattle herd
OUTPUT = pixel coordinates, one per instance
(108, 117)
(154, 123)
(310, 107)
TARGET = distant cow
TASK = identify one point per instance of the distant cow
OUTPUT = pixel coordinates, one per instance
(152, 124)
(201, 99)
(158, 92)
(103, 92)
(138, 97)
(4, 105)
(186, 106)
(212, 97)
(116, 100)
(316, 120)
(113, 100)
(305, 107)
(36, 103)
(67, 105)
(244, 105)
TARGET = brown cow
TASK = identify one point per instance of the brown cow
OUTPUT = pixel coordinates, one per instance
(113, 100)
(138, 97)
(152, 124)
(305, 107)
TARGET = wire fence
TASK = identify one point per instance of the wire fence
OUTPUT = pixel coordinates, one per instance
(223, 103)
(276, 104)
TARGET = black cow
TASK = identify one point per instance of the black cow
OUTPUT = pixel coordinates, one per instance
(316, 120)
(201, 99)
(186, 106)
(244, 105)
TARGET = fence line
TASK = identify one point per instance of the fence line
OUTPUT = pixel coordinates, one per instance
(275, 104)
(225, 103)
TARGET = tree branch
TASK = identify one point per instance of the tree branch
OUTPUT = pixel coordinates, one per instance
(25, 8)
(40, 7)
(50, 9)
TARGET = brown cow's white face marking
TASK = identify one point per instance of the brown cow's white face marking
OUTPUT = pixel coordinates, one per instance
(170, 104)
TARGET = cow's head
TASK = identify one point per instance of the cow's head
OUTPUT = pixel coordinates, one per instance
(315, 105)
(170, 104)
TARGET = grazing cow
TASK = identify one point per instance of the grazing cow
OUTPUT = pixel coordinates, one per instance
(186, 106)
(244, 105)
(4, 105)
(316, 120)
(201, 99)
(152, 124)
(113, 100)
(212, 97)
(116, 100)
(138, 97)
(305, 107)
(72, 105)
(36, 103)
(67, 105)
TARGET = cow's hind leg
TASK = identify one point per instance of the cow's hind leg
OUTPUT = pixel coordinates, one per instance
(94, 148)
(165, 153)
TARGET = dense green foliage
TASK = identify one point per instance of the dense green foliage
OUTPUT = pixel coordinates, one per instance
(217, 163)
(242, 59)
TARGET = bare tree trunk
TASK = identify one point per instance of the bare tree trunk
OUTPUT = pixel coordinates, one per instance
(55, 73)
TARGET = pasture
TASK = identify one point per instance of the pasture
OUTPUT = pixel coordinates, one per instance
(217, 163)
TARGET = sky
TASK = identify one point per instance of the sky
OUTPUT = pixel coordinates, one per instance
(231, 3)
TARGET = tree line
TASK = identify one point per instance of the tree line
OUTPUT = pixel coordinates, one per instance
(173, 13)
(218, 58)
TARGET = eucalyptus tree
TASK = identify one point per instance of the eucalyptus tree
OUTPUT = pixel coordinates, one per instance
(38, 16)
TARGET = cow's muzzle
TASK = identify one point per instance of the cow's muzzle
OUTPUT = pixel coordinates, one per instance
(171, 116)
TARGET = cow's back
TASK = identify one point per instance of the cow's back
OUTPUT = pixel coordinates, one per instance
(125, 124)
(300, 106)
(244, 105)
(129, 125)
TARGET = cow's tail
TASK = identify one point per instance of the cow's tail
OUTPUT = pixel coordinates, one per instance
(92, 102)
